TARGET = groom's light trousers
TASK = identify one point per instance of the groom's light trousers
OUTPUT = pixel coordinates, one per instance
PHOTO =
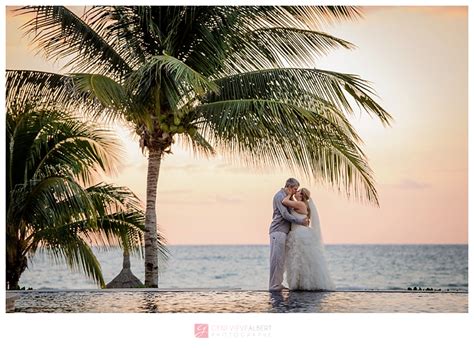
(277, 259)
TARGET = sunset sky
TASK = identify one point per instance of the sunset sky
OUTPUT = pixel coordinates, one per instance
(416, 59)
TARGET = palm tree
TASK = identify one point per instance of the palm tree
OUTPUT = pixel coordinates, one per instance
(241, 80)
(50, 156)
(125, 279)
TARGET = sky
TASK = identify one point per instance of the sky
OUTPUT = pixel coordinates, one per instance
(416, 60)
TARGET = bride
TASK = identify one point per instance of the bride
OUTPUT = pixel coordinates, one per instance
(306, 267)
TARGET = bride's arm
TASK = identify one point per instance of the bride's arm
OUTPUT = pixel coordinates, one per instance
(288, 202)
(286, 214)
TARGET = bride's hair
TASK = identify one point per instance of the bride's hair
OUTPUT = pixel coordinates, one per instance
(305, 194)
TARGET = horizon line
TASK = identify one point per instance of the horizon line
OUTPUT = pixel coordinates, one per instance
(267, 244)
(225, 244)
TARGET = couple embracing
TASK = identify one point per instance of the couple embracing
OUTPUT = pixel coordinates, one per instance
(296, 247)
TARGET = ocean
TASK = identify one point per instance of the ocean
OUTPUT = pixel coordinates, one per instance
(246, 267)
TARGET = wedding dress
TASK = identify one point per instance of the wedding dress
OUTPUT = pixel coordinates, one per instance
(305, 263)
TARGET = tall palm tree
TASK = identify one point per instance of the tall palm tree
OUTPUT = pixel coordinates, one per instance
(50, 158)
(241, 80)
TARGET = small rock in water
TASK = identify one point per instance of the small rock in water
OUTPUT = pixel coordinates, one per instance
(415, 288)
(409, 288)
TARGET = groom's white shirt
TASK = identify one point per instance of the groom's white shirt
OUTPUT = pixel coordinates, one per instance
(282, 218)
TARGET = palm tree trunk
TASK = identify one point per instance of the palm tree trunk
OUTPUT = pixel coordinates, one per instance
(12, 278)
(126, 259)
(151, 242)
(15, 266)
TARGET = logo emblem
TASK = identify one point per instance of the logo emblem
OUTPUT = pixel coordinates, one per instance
(201, 330)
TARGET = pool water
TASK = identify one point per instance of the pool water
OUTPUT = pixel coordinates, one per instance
(239, 301)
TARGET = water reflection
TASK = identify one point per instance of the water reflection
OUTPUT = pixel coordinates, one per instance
(278, 301)
(239, 302)
(298, 301)
(149, 303)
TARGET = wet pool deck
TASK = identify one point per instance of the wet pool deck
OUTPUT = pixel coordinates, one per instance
(235, 300)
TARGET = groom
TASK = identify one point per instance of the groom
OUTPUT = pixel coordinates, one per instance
(279, 229)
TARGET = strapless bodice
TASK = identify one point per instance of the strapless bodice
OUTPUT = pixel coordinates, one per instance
(298, 215)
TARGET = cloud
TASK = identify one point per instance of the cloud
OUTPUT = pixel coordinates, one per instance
(408, 184)
(228, 199)
(184, 197)
(174, 192)
(425, 10)
(184, 167)
(243, 168)
(184, 201)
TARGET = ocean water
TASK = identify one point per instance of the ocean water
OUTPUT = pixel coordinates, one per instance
(246, 267)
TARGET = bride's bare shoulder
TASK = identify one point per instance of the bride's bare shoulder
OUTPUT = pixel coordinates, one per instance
(300, 207)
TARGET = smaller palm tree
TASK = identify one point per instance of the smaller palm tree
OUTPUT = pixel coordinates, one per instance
(52, 159)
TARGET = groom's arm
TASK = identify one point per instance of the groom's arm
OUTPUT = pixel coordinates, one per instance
(285, 214)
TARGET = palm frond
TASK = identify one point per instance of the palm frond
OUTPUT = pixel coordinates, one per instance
(203, 38)
(120, 220)
(303, 17)
(112, 95)
(46, 139)
(172, 77)
(319, 16)
(275, 133)
(35, 203)
(23, 86)
(308, 87)
(120, 27)
(77, 254)
(279, 47)
(61, 34)
(121, 216)
(50, 90)
(110, 198)
(197, 144)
